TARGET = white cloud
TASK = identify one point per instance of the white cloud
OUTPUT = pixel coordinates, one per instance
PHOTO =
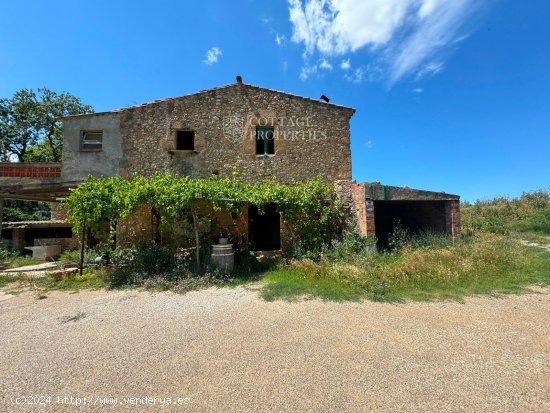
(324, 64)
(418, 90)
(279, 39)
(345, 65)
(430, 69)
(212, 56)
(307, 71)
(356, 76)
(402, 35)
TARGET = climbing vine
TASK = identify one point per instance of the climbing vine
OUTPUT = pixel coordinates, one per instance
(310, 207)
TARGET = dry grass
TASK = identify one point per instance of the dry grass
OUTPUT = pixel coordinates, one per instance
(486, 263)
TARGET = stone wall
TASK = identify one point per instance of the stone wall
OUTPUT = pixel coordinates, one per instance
(57, 212)
(137, 228)
(311, 137)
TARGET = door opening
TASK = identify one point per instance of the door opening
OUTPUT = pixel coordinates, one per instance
(264, 230)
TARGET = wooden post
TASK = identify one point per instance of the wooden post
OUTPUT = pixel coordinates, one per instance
(82, 242)
(1, 216)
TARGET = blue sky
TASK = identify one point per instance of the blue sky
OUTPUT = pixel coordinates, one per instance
(451, 95)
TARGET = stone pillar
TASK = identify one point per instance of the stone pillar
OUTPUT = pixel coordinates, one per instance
(452, 218)
(18, 239)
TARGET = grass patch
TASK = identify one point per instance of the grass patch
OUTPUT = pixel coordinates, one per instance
(13, 259)
(531, 237)
(21, 261)
(6, 279)
(289, 284)
(486, 263)
(91, 279)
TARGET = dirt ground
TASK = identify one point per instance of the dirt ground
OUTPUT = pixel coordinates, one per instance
(222, 350)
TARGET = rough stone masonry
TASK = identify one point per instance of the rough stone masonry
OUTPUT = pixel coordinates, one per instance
(310, 137)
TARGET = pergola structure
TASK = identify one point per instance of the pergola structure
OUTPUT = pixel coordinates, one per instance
(33, 182)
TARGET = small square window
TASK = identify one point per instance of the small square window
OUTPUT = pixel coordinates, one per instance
(91, 141)
(265, 141)
(185, 140)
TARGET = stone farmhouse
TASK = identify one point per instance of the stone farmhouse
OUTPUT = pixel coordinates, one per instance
(236, 130)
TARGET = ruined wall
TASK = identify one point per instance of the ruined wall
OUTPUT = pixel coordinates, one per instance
(358, 207)
(452, 218)
(311, 137)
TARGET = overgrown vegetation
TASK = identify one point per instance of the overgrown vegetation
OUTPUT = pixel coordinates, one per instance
(341, 266)
(528, 213)
(309, 209)
(16, 211)
(488, 259)
(12, 259)
(425, 268)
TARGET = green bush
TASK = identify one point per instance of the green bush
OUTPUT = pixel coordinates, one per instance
(7, 255)
(349, 244)
(528, 213)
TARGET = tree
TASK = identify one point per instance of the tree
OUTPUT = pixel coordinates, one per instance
(30, 129)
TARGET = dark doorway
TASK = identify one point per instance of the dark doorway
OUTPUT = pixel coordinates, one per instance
(264, 230)
(414, 216)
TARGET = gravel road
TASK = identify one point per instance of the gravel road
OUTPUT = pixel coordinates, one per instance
(224, 350)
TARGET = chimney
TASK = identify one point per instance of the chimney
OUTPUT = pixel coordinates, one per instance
(239, 80)
(324, 98)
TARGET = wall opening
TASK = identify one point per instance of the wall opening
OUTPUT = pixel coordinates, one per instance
(91, 141)
(415, 216)
(185, 140)
(265, 141)
(264, 229)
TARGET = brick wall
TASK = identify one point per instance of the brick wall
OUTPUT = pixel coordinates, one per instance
(21, 170)
(452, 218)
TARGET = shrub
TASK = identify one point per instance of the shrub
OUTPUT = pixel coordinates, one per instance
(351, 243)
(7, 255)
(529, 212)
(73, 256)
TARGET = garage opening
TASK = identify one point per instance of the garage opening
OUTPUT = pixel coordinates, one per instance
(415, 216)
(264, 229)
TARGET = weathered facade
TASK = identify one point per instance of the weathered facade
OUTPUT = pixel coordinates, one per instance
(242, 131)
(310, 137)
